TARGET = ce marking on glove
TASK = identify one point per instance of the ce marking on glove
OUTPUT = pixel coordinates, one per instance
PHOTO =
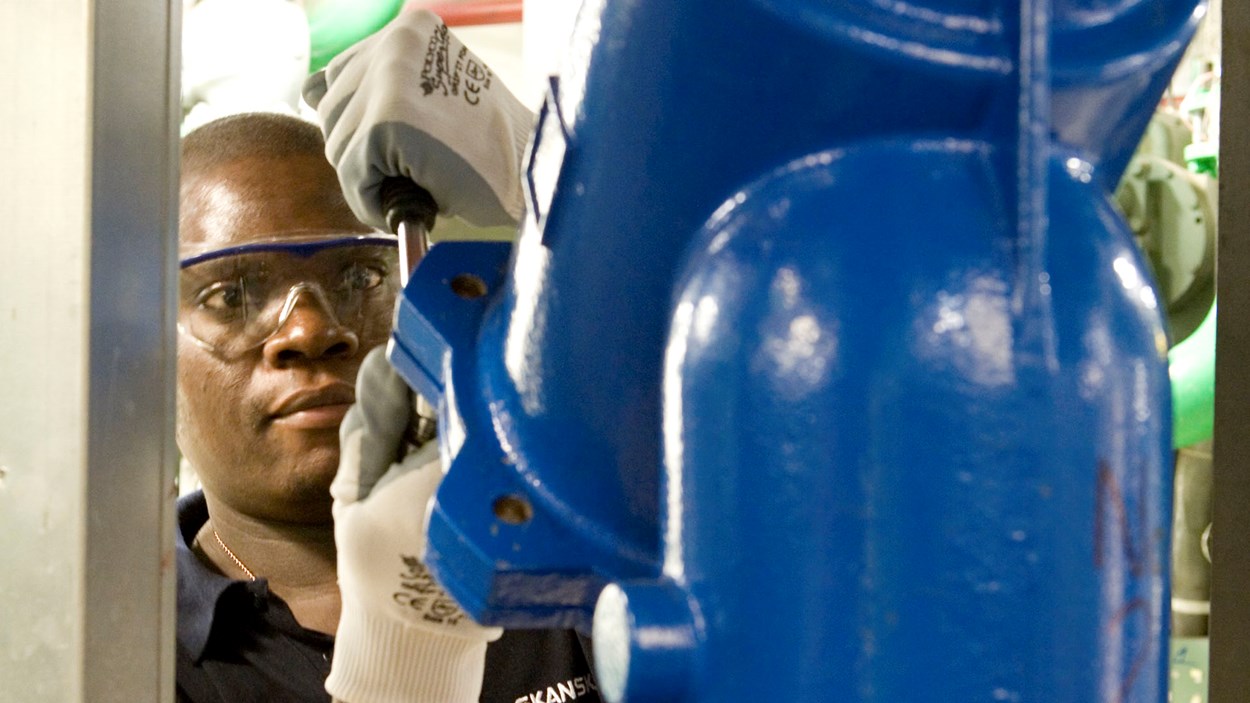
(476, 79)
(423, 596)
(473, 77)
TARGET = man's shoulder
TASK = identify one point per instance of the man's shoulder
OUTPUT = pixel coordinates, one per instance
(236, 641)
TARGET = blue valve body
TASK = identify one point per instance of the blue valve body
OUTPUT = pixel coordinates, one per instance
(821, 320)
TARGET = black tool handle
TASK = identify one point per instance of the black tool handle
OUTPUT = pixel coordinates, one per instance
(405, 201)
(410, 212)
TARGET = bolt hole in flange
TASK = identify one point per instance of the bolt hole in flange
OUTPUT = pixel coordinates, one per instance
(468, 286)
(513, 510)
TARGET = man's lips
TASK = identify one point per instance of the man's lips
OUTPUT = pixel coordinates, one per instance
(322, 407)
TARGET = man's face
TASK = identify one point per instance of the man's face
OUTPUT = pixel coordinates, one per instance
(260, 426)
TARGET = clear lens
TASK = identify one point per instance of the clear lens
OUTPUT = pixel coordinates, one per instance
(236, 302)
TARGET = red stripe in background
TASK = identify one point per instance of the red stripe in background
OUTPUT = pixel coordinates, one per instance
(467, 14)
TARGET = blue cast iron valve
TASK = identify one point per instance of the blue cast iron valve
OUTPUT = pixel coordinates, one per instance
(822, 344)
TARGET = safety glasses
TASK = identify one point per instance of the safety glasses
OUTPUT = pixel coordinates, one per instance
(235, 299)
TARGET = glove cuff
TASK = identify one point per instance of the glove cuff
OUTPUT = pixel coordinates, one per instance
(379, 660)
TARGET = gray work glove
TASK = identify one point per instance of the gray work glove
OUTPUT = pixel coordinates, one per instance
(400, 636)
(413, 101)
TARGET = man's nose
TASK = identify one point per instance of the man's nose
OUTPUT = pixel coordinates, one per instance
(308, 329)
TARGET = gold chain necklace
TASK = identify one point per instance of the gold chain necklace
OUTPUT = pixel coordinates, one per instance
(233, 558)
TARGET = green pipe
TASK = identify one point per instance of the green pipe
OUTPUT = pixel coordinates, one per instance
(1191, 366)
(334, 25)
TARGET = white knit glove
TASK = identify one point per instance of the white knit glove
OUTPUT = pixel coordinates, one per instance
(411, 100)
(401, 638)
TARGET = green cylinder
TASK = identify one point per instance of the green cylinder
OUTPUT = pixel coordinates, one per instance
(334, 25)
(1191, 366)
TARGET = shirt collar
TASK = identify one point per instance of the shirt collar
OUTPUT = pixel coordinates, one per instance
(200, 588)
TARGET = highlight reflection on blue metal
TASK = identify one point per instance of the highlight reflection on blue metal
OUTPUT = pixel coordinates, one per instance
(823, 346)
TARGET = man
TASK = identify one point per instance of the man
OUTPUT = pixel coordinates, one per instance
(283, 292)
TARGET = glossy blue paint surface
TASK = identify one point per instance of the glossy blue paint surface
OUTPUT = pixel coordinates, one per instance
(820, 327)
(967, 514)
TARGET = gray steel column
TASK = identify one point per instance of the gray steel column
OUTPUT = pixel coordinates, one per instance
(1230, 533)
(88, 136)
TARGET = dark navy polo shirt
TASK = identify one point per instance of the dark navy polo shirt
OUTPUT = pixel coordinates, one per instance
(240, 643)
